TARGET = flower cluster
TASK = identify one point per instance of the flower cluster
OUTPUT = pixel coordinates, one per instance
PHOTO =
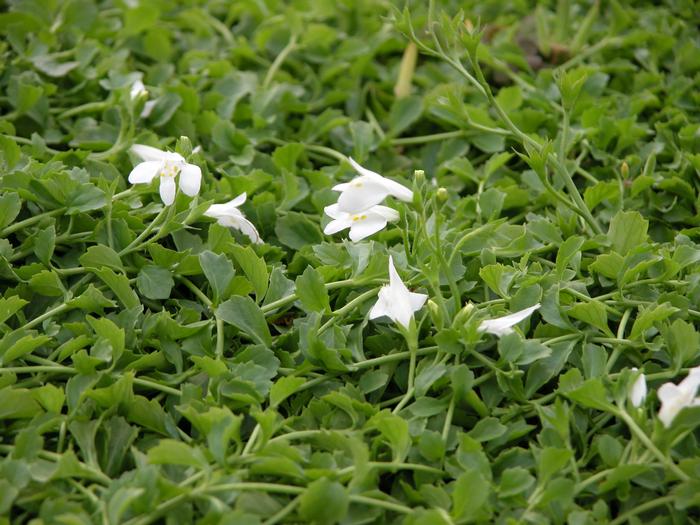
(358, 206)
(168, 167)
(674, 398)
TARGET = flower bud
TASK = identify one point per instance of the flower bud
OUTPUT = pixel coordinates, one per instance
(624, 170)
(184, 146)
(435, 314)
(419, 176)
(463, 315)
(442, 194)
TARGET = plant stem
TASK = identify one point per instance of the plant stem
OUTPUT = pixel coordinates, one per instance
(643, 507)
(650, 446)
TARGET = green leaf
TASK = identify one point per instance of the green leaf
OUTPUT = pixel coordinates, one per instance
(514, 481)
(487, 429)
(44, 244)
(171, 452)
(469, 494)
(593, 313)
(155, 282)
(9, 306)
(311, 291)
(404, 112)
(244, 314)
(628, 229)
(101, 256)
(218, 271)
(10, 206)
(591, 394)
(570, 250)
(283, 388)
(324, 502)
(17, 344)
(650, 315)
(296, 230)
(254, 268)
(119, 284)
(110, 332)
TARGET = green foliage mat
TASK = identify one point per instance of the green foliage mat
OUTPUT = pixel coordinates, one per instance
(157, 367)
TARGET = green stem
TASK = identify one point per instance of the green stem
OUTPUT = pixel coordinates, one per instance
(30, 221)
(219, 338)
(411, 336)
(643, 507)
(279, 60)
(650, 445)
(85, 108)
(423, 139)
(134, 245)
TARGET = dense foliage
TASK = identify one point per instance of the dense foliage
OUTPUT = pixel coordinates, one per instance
(158, 367)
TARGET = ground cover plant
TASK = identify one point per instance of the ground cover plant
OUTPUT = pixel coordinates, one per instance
(349, 262)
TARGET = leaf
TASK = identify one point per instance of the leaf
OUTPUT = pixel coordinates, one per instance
(296, 231)
(218, 271)
(569, 251)
(514, 481)
(155, 282)
(650, 315)
(487, 429)
(171, 452)
(44, 244)
(591, 394)
(324, 502)
(628, 229)
(9, 306)
(469, 494)
(311, 291)
(254, 268)
(404, 112)
(593, 313)
(119, 284)
(10, 206)
(283, 388)
(101, 256)
(244, 314)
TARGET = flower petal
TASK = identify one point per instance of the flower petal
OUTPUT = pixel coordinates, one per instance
(190, 179)
(392, 188)
(638, 392)
(336, 225)
(248, 229)
(382, 306)
(238, 201)
(145, 172)
(148, 153)
(417, 300)
(362, 229)
(167, 190)
(361, 194)
(503, 325)
(334, 212)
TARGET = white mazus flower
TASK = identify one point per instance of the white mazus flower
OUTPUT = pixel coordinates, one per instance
(675, 398)
(228, 214)
(638, 391)
(166, 166)
(362, 224)
(368, 189)
(504, 325)
(396, 301)
(137, 90)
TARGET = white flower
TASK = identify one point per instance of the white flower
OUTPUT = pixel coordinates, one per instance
(395, 301)
(638, 392)
(362, 224)
(167, 166)
(675, 398)
(228, 214)
(368, 189)
(137, 90)
(504, 325)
